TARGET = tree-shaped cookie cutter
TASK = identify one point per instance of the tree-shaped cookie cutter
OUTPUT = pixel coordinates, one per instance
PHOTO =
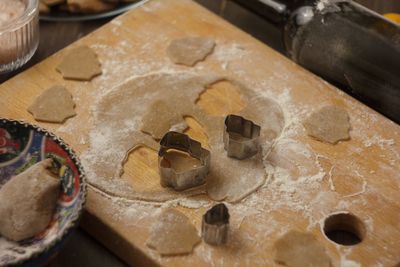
(189, 178)
(215, 225)
(241, 137)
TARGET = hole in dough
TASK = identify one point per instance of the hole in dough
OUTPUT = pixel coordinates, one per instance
(196, 131)
(140, 169)
(179, 161)
(344, 229)
(221, 98)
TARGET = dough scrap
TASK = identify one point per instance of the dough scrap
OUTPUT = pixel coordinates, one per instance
(296, 249)
(173, 234)
(28, 201)
(80, 64)
(230, 180)
(53, 105)
(329, 124)
(190, 50)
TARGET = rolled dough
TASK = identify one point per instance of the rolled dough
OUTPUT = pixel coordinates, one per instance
(297, 249)
(173, 234)
(190, 50)
(159, 119)
(329, 124)
(28, 201)
(53, 105)
(80, 63)
(229, 179)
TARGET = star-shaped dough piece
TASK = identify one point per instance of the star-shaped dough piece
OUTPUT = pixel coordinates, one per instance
(80, 64)
(53, 105)
(173, 234)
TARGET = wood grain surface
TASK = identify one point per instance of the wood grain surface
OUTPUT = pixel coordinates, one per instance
(364, 171)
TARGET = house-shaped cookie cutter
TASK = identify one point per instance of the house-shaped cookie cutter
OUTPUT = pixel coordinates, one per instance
(185, 179)
(241, 137)
(215, 225)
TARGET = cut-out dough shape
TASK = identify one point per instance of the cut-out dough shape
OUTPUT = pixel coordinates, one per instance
(297, 249)
(190, 50)
(330, 124)
(28, 201)
(80, 63)
(173, 234)
(53, 105)
(119, 120)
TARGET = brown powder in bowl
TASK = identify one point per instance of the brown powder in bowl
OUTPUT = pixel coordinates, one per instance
(10, 10)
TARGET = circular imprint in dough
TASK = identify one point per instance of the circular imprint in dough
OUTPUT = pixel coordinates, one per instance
(125, 120)
(344, 229)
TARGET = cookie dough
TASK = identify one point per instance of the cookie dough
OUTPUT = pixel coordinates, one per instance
(51, 2)
(53, 105)
(129, 107)
(296, 249)
(89, 6)
(10, 10)
(190, 50)
(329, 124)
(28, 201)
(43, 8)
(173, 234)
(80, 63)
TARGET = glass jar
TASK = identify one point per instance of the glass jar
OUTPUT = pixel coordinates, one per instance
(19, 33)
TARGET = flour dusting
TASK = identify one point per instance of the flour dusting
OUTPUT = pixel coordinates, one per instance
(297, 181)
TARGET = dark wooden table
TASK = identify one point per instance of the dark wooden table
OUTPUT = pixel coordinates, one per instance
(83, 250)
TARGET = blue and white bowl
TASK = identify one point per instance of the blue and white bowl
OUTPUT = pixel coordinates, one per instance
(21, 146)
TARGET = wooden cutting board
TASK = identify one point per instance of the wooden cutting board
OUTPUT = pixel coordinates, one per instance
(360, 176)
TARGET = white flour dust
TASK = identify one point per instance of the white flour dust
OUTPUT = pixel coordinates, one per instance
(297, 180)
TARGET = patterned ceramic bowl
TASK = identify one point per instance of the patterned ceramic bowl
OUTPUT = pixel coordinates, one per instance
(21, 146)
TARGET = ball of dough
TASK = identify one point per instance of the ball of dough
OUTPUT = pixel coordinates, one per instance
(28, 201)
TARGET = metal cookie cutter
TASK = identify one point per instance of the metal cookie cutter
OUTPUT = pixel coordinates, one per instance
(215, 225)
(181, 180)
(241, 137)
